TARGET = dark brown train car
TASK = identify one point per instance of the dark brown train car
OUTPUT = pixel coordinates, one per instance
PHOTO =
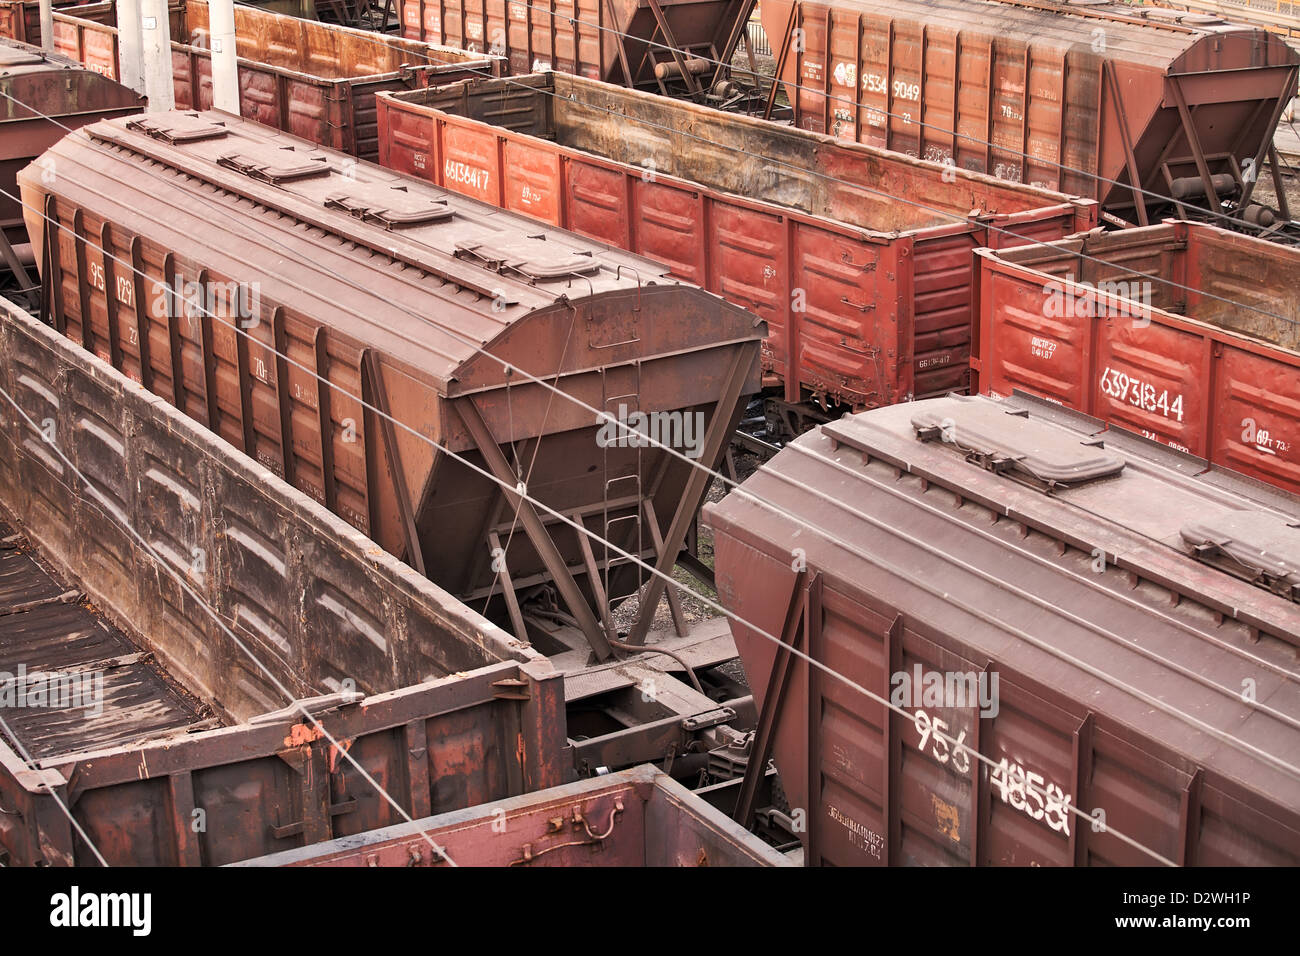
(35, 85)
(867, 300)
(1113, 627)
(196, 756)
(310, 79)
(639, 818)
(424, 305)
(1091, 99)
(607, 40)
(1184, 332)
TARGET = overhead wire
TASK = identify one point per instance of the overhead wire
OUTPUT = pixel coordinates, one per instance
(955, 742)
(332, 385)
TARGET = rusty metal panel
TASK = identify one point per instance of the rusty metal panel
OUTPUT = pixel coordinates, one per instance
(603, 325)
(1073, 98)
(77, 98)
(1183, 332)
(572, 36)
(311, 79)
(867, 298)
(450, 711)
(638, 817)
(926, 564)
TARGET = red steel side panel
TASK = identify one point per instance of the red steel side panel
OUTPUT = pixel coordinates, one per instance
(1190, 385)
(837, 304)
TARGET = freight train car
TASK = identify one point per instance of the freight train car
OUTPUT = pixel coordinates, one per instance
(1184, 332)
(310, 79)
(866, 298)
(638, 818)
(640, 43)
(42, 95)
(21, 19)
(194, 750)
(264, 262)
(1079, 636)
(1094, 99)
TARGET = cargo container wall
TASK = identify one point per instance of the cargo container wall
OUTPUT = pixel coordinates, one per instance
(311, 79)
(1088, 99)
(577, 36)
(448, 710)
(987, 619)
(866, 299)
(638, 817)
(21, 19)
(1183, 332)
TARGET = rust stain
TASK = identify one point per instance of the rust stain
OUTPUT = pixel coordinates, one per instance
(945, 814)
(333, 760)
(300, 735)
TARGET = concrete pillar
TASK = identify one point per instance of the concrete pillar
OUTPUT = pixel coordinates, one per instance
(225, 75)
(157, 36)
(130, 45)
(47, 23)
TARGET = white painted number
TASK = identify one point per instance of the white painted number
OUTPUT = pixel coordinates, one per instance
(1140, 394)
(1033, 796)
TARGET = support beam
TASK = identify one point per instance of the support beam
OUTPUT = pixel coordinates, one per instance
(726, 414)
(130, 45)
(372, 376)
(157, 45)
(769, 717)
(47, 24)
(534, 528)
(225, 69)
(1194, 141)
(1266, 144)
(1130, 161)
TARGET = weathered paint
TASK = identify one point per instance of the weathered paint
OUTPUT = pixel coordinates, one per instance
(869, 299)
(913, 554)
(311, 79)
(391, 297)
(573, 36)
(1033, 92)
(38, 85)
(1182, 332)
(441, 699)
(638, 817)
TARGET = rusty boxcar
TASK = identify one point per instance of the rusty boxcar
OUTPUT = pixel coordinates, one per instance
(310, 79)
(867, 299)
(265, 261)
(35, 85)
(1184, 332)
(634, 42)
(449, 710)
(1095, 99)
(637, 817)
(1113, 628)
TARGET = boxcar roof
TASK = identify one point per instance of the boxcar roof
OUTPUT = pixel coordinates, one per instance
(357, 233)
(981, 521)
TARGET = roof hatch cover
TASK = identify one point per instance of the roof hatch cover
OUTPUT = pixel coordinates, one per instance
(178, 128)
(16, 56)
(1011, 441)
(275, 164)
(1264, 546)
(393, 207)
(530, 257)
